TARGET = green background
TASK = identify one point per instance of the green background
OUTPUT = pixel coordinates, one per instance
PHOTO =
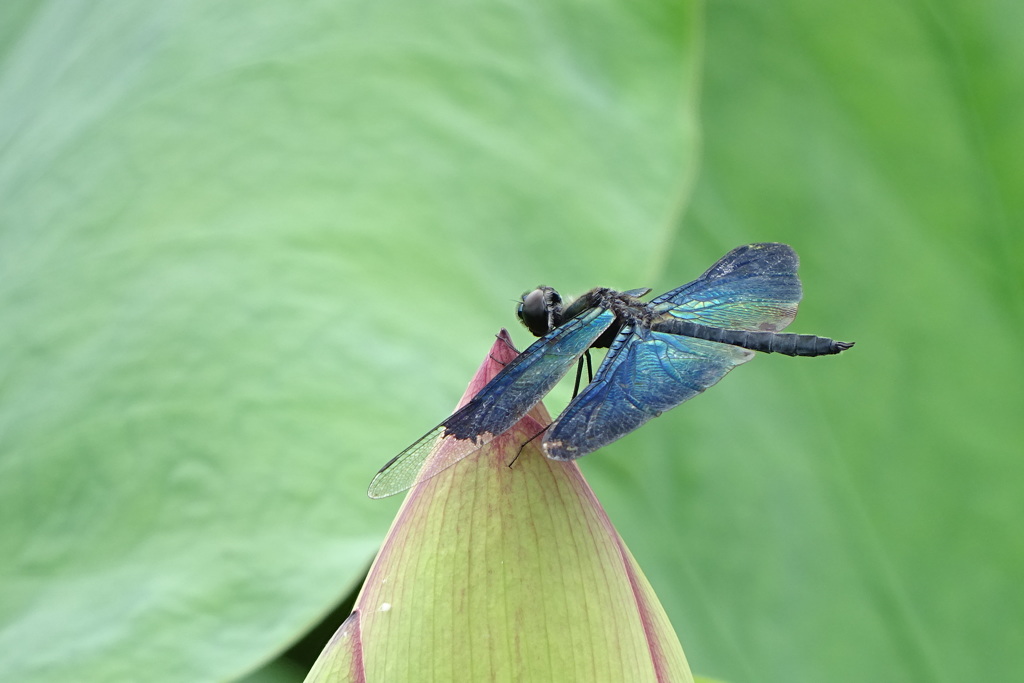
(250, 250)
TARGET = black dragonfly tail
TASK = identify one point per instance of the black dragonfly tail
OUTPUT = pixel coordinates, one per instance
(766, 342)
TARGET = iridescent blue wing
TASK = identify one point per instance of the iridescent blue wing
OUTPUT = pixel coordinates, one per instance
(644, 374)
(753, 287)
(498, 406)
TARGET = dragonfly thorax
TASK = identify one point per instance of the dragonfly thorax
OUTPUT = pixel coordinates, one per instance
(542, 310)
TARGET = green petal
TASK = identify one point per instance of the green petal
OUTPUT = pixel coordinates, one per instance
(493, 572)
(342, 658)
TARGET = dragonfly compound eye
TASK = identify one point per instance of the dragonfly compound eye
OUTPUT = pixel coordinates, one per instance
(537, 308)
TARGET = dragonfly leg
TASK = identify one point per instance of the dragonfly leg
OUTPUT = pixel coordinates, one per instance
(579, 375)
(579, 372)
(507, 343)
(520, 451)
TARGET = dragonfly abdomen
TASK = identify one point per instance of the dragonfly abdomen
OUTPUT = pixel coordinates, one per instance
(765, 342)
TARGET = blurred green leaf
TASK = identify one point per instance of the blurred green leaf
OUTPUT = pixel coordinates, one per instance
(278, 671)
(248, 251)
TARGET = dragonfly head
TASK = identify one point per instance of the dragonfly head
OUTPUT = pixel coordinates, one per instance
(540, 310)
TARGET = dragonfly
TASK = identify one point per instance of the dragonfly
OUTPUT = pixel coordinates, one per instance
(660, 353)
